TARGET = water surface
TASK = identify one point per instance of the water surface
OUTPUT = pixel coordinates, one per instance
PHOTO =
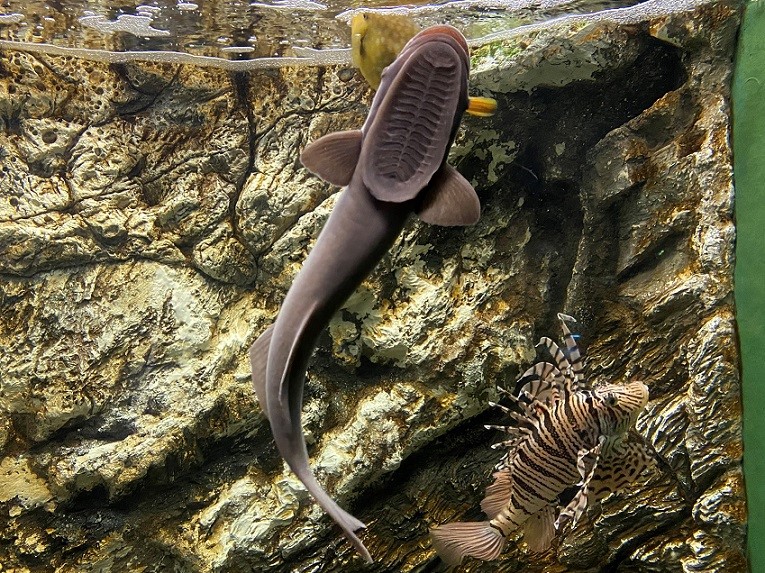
(263, 29)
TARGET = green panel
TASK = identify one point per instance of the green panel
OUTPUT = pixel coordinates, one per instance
(749, 169)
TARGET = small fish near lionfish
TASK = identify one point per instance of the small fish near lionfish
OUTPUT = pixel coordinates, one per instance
(567, 434)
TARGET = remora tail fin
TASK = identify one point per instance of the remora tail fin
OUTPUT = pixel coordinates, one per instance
(478, 539)
(345, 520)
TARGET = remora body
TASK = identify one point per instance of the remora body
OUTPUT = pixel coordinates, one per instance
(393, 166)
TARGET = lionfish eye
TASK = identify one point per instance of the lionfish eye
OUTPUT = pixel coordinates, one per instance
(611, 400)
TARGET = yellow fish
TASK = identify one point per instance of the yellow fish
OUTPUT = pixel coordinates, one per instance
(376, 40)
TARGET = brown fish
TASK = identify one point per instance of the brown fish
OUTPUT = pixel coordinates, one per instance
(394, 166)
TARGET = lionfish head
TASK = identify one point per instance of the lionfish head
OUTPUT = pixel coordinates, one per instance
(619, 405)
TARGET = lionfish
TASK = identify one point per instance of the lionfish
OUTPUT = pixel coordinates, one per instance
(567, 434)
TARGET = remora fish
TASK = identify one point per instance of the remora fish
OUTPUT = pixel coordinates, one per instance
(376, 40)
(395, 165)
(567, 434)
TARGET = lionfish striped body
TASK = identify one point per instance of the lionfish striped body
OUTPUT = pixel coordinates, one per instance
(566, 434)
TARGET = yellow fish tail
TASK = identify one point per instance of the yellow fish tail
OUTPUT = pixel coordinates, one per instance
(482, 106)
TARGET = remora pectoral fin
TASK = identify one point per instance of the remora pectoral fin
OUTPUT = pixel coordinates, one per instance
(334, 156)
(258, 361)
(449, 200)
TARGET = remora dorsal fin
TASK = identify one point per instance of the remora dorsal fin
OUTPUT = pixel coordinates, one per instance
(449, 200)
(285, 404)
(258, 361)
(334, 156)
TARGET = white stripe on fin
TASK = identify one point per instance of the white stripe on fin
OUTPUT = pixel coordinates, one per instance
(569, 362)
(572, 348)
(546, 383)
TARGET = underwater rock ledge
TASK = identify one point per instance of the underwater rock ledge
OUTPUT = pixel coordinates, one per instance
(152, 217)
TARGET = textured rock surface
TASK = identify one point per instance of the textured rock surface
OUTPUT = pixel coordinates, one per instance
(153, 216)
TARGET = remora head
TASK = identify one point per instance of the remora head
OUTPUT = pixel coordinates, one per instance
(415, 114)
(440, 33)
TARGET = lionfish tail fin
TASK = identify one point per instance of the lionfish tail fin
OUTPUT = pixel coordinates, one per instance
(478, 539)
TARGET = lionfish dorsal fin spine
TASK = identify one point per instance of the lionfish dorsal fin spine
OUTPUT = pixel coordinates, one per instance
(586, 463)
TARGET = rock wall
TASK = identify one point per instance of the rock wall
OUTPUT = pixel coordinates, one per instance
(152, 217)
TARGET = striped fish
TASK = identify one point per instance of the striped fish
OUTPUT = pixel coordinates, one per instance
(567, 434)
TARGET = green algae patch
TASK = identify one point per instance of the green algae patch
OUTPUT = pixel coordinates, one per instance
(500, 50)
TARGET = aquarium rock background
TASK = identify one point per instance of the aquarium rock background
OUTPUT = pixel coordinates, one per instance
(153, 216)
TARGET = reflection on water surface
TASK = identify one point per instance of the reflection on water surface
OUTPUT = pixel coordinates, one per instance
(240, 30)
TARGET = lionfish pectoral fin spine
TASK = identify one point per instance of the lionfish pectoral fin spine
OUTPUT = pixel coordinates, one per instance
(449, 200)
(334, 156)
(499, 406)
(258, 360)
(479, 539)
(621, 467)
(497, 494)
(539, 529)
(587, 464)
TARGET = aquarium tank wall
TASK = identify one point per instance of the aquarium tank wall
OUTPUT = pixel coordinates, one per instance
(267, 307)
